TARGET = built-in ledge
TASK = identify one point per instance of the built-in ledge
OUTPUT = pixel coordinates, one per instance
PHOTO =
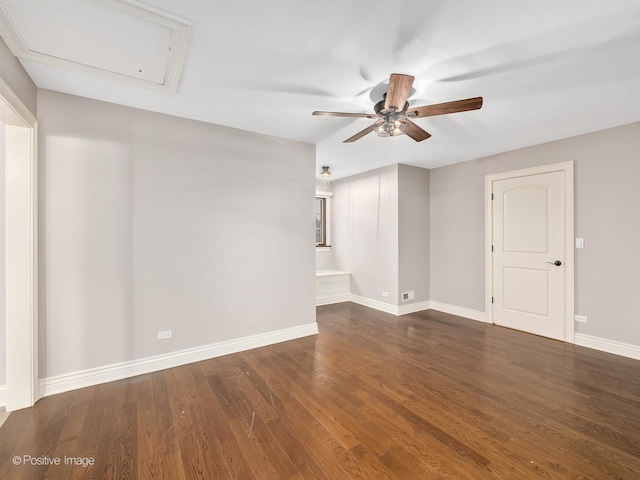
(332, 286)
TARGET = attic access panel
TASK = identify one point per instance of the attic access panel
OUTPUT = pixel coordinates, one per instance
(121, 40)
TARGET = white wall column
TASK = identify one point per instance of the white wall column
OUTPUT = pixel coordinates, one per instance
(21, 267)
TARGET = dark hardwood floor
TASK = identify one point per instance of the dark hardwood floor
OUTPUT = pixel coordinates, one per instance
(373, 396)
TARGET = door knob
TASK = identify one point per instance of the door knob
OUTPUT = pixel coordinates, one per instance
(557, 263)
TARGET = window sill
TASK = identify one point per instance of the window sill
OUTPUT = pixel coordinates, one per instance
(323, 249)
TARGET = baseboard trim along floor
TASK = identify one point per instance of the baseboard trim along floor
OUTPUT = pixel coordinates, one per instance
(596, 343)
(110, 373)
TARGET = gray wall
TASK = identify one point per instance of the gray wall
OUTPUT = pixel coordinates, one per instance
(607, 199)
(324, 260)
(381, 232)
(16, 77)
(150, 222)
(456, 223)
(365, 232)
(413, 232)
(323, 185)
(3, 328)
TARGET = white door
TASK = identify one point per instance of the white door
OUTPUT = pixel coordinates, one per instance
(528, 259)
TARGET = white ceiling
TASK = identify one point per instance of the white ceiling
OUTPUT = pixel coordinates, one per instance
(547, 70)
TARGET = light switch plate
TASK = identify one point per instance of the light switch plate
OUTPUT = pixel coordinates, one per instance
(579, 242)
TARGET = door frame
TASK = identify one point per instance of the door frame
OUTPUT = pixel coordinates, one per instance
(21, 250)
(568, 169)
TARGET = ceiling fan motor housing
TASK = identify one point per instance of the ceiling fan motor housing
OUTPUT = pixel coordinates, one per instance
(379, 107)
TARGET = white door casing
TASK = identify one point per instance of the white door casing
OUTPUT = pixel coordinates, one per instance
(529, 228)
(21, 251)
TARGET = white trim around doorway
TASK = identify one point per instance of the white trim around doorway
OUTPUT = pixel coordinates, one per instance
(567, 168)
(21, 250)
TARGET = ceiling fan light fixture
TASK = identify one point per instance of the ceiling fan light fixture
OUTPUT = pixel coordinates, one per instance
(382, 128)
(400, 126)
(392, 128)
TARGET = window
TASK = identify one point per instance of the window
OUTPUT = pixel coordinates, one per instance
(321, 222)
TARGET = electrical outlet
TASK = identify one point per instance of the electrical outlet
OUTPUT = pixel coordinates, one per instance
(385, 294)
(165, 334)
(580, 318)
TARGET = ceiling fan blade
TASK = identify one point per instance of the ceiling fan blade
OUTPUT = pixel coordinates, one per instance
(343, 114)
(361, 134)
(398, 91)
(444, 108)
(417, 133)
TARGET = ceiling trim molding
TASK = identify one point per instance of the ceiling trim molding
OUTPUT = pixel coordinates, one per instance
(180, 40)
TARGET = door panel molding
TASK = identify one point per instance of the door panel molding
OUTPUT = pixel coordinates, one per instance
(569, 267)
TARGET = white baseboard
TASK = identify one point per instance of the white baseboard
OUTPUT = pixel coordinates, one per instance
(3, 395)
(419, 307)
(597, 343)
(414, 307)
(109, 373)
(119, 371)
(332, 299)
(375, 304)
(388, 308)
(460, 311)
(609, 346)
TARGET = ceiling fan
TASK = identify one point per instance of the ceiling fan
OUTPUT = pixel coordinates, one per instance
(393, 114)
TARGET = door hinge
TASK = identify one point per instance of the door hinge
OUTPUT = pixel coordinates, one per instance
(492, 248)
(491, 299)
(492, 196)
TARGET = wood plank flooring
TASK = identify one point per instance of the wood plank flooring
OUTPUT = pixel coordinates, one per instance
(373, 396)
